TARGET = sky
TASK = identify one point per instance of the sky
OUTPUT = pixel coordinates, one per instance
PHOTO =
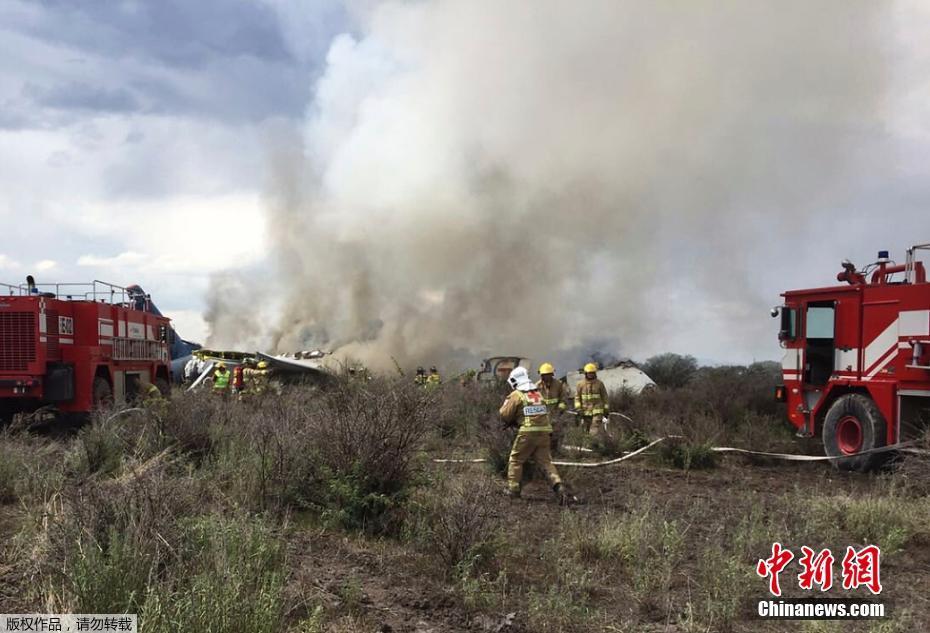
(138, 142)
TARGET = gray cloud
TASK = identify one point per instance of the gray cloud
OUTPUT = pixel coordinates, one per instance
(174, 32)
(83, 97)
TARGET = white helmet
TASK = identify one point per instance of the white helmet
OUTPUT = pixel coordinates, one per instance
(519, 379)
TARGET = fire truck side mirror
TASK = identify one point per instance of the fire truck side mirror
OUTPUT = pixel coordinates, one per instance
(788, 329)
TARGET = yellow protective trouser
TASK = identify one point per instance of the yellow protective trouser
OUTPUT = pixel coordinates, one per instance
(535, 445)
(558, 431)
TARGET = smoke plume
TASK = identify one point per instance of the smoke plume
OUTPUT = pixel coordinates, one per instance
(527, 178)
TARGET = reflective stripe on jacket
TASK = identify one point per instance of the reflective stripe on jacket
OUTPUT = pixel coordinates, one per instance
(555, 395)
(591, 398)
(220, 380)
(529, 409)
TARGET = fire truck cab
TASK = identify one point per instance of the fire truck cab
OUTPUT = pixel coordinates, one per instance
(856, 367)
(75, 347)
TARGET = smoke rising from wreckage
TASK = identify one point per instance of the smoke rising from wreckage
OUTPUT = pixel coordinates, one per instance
(559, 164)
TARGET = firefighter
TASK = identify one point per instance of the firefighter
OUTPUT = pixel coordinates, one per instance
(221, 378)
(154, 400)
(257, 379)
(434, 379)
(525, 409)
(555, 395)
(420, 378)
(238, 379)
(591, 401)
(467, 379)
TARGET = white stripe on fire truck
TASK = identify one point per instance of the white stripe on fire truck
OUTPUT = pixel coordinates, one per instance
(879, 348)
(43, 326)
(43, 339)
(890, 355)
(66, 341)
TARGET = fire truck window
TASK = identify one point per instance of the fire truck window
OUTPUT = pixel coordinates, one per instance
(820, 322)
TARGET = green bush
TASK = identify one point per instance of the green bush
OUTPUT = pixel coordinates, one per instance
(453, 522)
(669, 370)
(110, 540)
(228, 578)
(688, 456)
(102, 447)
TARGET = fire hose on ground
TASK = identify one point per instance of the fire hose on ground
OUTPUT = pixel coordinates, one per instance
(901, 447)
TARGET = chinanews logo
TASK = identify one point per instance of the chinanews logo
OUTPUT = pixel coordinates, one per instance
(860, 570)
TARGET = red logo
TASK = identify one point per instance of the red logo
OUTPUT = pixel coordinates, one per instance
(818, 570)
(860, 568)
(773, 566)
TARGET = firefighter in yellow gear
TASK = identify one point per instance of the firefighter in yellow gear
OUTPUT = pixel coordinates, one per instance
(154, 400)
(591, 401)
(257, 379)
(524, 408)
(434, 379)
(221, 378)
(555, 395)
(420, 377)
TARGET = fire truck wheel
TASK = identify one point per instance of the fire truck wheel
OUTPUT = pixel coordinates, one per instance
(103, 393)
(854, 424)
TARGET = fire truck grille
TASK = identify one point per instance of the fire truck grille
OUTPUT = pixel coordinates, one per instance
(17, 340)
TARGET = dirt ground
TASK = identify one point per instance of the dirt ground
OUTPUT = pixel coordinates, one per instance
(380, 585)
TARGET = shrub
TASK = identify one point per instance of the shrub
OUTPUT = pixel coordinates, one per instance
(453, 522)
(366, 439)
(885, 519)
(228, 577)
(109, 541)
(688, 456)
(723, 589)
(616, 443)
(101, 447)
(673, 371)
(645, 542)
(31, 468)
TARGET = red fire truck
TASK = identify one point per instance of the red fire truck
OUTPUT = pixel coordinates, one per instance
(77, 346)
(856, 367)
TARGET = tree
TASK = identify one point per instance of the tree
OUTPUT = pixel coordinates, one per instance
(671, 370)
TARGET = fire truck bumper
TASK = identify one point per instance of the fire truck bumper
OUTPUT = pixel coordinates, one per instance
(20, 387)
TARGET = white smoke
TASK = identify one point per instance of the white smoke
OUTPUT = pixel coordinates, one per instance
(535, 177)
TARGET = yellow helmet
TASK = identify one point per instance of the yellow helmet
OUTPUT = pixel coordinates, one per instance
(263, 364)
(221, 365)
(590, 368)
(546, 368)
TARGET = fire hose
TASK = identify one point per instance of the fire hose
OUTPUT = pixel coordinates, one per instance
(903, 447)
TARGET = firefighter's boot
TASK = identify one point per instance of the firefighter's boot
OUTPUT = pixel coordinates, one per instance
(564, 497)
